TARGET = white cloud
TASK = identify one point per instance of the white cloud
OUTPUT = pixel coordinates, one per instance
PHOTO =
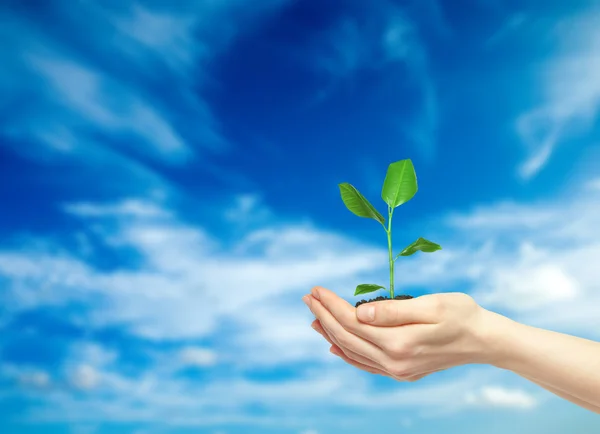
(535, 281)
(594, 184)
(155, 393)
(533, 261)
(401, 42)
(195, 356)
(515, 21)
(248, 210)
(185, 271)
(571, 92)
(275, 334)
(168, 34)
(386, 34)
(347, 49)
(185, 289)
(386, 39)
(187, 285)
(128, 207)
(76, 99)
(433, 394)
(92, 353)
(26, 376)
(505, 216)
(37, 379)
(87, 365)
(84, 377)
(83, 92)
(496, 396)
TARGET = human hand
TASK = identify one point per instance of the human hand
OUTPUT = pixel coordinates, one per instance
(336, 350)
(405, 339)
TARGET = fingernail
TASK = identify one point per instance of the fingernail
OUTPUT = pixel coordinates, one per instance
(315, 293)
(366, 313)
(306, 300)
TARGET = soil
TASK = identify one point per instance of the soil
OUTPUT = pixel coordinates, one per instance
(398, 297)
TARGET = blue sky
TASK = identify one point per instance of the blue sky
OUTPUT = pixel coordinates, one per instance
(169, 193)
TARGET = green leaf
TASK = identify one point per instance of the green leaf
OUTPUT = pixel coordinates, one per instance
(400, 183)
(358, 204)
(421, 244)
(365, 288)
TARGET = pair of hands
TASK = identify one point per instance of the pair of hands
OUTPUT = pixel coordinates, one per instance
(403, 339)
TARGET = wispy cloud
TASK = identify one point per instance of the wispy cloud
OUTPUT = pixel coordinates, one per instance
(169, 34)
(571, 90)
(186, 269)
(510, 25)
(107, 395)
(81, 99)
(497, 396)
(200, 357)
(25, 377)
(384, 39)
(141, 313)
(185, 288)
(87, 96)
(136, 97)
(594, 184)
(402, 43)
(534, 261)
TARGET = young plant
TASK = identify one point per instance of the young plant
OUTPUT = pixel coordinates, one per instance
(399, 187)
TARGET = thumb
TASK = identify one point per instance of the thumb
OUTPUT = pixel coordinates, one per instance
(395, 312)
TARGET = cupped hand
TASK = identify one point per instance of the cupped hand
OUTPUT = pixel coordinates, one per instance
(403, 339)
(368, 368)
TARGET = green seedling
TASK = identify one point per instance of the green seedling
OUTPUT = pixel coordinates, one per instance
(399, 186)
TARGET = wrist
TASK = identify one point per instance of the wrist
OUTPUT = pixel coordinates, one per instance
(496, 335)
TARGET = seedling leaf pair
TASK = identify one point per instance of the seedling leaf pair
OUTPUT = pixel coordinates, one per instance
(365, 288)
(421, 244)
(358, 204)
(399, 186)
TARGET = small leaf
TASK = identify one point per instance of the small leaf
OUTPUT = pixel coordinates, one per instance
(358, 204)
(400, 183)
(421, 244)
(365, 288)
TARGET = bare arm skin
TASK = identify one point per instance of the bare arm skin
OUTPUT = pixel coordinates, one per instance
(340, 353)
(565, 395)
(410, 339)
(565, 365)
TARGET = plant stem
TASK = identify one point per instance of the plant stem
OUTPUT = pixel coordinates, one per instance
(389, 237)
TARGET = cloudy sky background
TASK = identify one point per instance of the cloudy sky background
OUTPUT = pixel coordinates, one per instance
(169, 192)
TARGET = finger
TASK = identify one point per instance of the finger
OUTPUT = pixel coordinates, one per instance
(319, 329)
(369, 366)
(355, 359)
(381, 337)
(418, 377)
(338, 352)
(349, 353)
(342, 337)
(420, 310)
(341, 310)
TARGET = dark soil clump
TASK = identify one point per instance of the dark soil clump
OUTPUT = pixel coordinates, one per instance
(380, 298)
